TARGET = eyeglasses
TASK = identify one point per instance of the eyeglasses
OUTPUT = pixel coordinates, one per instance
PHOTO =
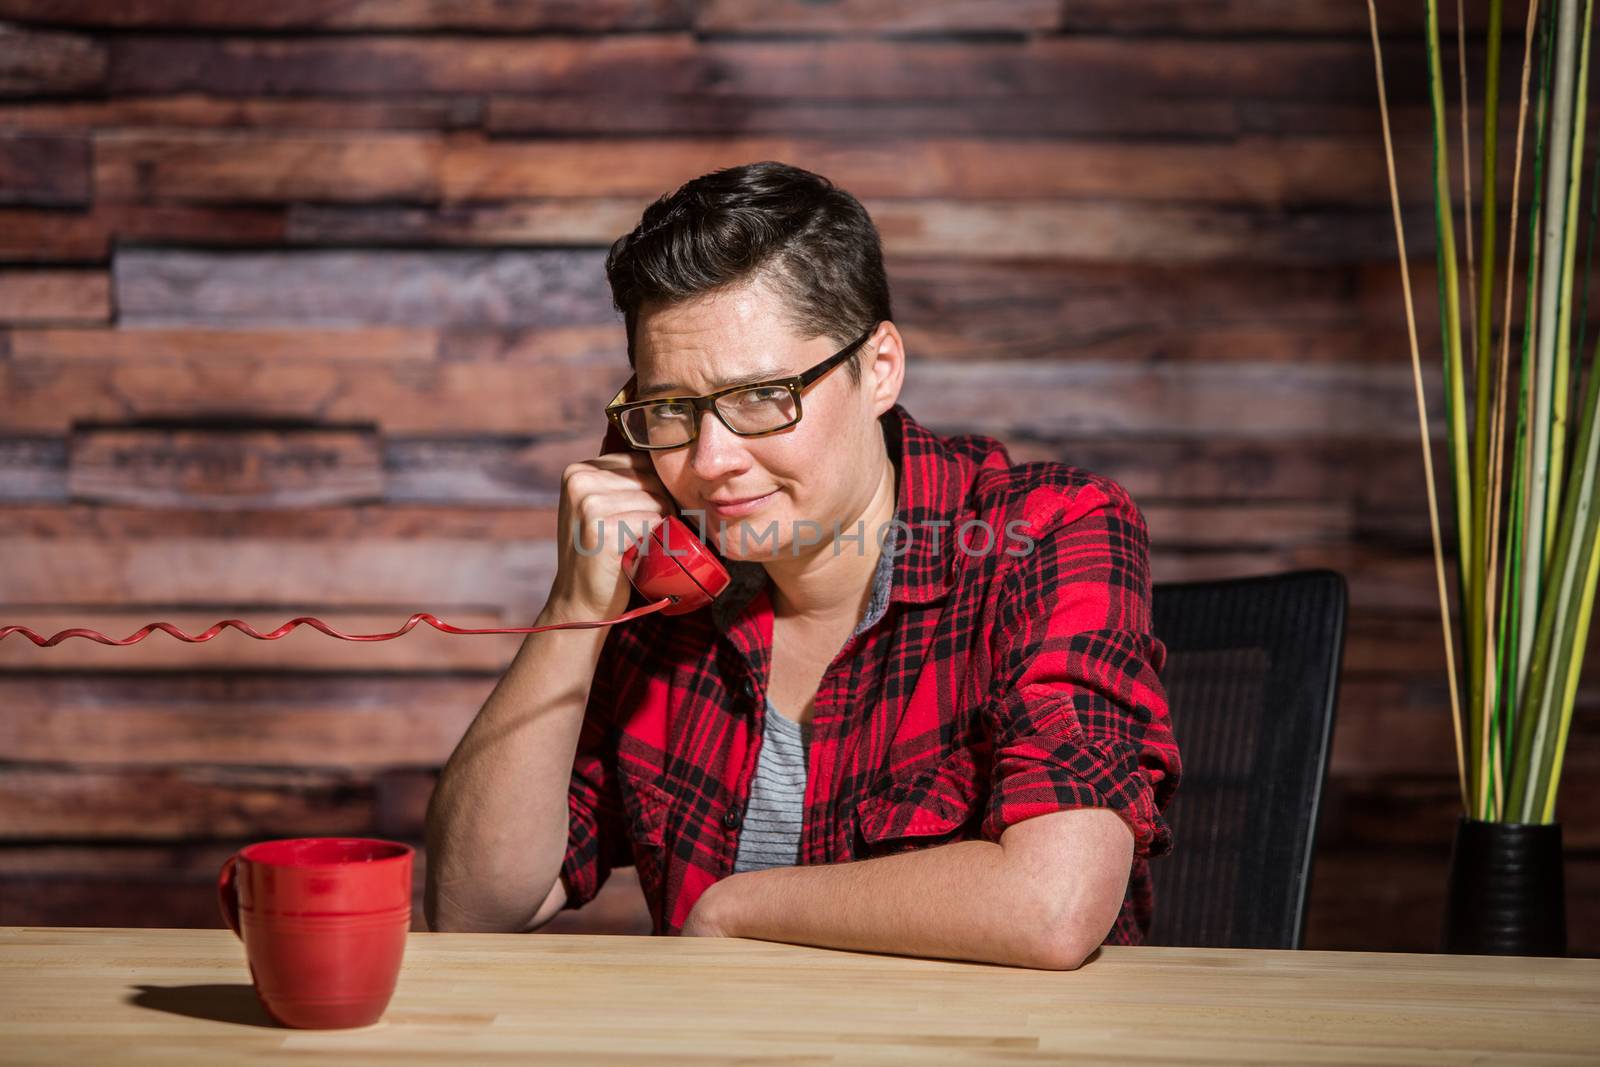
(747, 410)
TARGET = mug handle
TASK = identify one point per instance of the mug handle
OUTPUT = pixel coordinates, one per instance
(228, 895)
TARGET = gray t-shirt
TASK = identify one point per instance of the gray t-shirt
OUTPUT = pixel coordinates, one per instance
(770, 834)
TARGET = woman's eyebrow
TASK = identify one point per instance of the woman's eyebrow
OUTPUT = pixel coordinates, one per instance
(760, 374)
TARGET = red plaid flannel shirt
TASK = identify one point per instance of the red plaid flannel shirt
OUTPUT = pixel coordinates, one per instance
(997, 685)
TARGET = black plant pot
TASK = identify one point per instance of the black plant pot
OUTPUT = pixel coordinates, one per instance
(1507, 893)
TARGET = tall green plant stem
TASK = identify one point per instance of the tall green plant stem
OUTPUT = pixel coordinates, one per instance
(1539, 532)
(1450, 324)
(1558, 422)
(1480, 655)
(1517, 633)
(1557, 652)
(1533, 753)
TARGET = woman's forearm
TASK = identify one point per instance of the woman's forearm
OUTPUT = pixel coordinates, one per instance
(959, 900)
(1045, 895)
(497, 821)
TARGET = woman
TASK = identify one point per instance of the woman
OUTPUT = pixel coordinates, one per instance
(925, 717)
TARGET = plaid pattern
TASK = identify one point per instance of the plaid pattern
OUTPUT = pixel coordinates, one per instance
(997, 686)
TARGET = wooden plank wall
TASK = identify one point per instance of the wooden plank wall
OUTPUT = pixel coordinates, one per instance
(303, 312)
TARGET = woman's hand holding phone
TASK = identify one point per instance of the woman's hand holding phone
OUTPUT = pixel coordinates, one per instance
(599, 497)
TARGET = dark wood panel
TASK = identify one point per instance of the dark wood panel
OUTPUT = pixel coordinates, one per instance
(266, 112)
(34, 236)
(359, 288)
(1265, 172)
(711, 114)
(357, 65)
(1270, 16)
(591, 221)
(156, 901)
(38, 297)
(255, 167)
(379, 345)
(1381, 580)
(212, 469)
(417, 559)
(1420, 812)
(502, 16)
(370, 717)
(168, 804)
(1382, 478)
(378, 522)
(1288, 401)
(876, 16)
(258, 166)
(1075, 66)
(524, 471)
(1137, 234)
(34, 62)
(1385, 732)
(42, 169)
(962, 303)
(33, 470)
(57, 236)
(707, 113)
(1088, 66)
(412, 574)
(174, 886)
(1394, 897)
(758, 16)
(1396, 644)
(447, 398)
(1035, 115)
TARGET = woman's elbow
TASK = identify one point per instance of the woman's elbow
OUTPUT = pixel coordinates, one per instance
(1064, 949)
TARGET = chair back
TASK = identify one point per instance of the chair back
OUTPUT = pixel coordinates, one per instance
(1252, 679)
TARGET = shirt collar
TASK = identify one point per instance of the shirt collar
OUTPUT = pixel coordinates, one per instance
(931, 487)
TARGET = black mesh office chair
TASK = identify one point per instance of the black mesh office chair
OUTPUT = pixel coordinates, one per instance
(1252, 677)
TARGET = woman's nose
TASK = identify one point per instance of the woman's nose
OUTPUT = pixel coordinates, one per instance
(716, 450)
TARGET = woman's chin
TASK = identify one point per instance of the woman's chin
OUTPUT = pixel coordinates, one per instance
(748, 540)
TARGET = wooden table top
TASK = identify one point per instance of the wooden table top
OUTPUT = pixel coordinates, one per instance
(105, 995)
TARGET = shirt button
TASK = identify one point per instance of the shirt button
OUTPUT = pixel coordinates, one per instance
(749, 689)
(731, 818)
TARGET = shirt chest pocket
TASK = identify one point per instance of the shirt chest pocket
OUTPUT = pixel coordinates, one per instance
(647, 807)
(937, 804)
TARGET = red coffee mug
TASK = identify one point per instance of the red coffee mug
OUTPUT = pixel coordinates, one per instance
(324, 923)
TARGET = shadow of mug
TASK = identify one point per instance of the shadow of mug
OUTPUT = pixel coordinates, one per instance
(231, 1003)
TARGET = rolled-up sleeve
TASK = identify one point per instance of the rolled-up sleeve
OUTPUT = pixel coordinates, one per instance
(1078, 716)
(597, 840)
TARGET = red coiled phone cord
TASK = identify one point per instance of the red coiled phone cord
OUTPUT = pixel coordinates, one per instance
(244, 627)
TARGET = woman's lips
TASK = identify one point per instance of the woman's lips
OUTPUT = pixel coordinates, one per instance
(728, 511)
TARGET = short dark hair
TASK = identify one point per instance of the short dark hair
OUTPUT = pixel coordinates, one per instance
(813, 242)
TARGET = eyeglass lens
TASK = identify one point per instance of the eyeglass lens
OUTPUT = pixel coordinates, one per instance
(756, 410)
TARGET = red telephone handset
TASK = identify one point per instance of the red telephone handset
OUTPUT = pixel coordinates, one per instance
(673, 561)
